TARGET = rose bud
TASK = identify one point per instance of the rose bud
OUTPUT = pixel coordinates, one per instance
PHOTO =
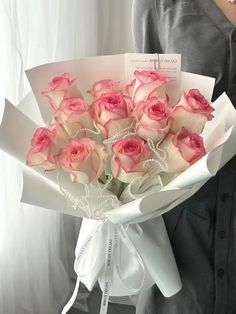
(83, 159)
(43, 151)
(74, 114)
(103, 87)
(191, 112)
(149, 84)
(183, 149)
(62, 87)
(60, 82)
(153, 118)
(130, 154)
(112, 113)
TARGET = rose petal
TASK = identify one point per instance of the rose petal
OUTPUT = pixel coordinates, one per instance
(60, 116)
(35, 159)
(73, 90)
(104, 86)
(126, 162)
(108, 115)
(187, 152)
(174, 159)
(193, 122)
(83, 119)
(120, 173)
(152, 124)
(144, 91)
(55, 98)
(40, 159)
(158, 92)
(113, 127)
(130, 88)
(60, 82)
(60, 138)
(155, 134)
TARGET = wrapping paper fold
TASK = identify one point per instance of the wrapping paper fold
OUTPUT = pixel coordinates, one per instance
(151, 241)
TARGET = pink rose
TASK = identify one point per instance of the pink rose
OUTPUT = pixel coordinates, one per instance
(153, 118)
(83, 159)
(149, 84)
(103, 87)
(183, 149)
(112, 113)
(42, 151)
(191, 112)
(74, 114)
(60, 82)
(62, 87)
(129, 157)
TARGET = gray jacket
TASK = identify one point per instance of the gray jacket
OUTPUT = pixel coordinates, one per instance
(202, 229)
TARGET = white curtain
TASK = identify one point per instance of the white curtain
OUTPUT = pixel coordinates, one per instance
(37, 245)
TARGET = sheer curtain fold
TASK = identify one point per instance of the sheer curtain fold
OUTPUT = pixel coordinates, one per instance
(37, 245)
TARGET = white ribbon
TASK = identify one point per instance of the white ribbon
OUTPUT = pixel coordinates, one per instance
(115, 234)
(108, 270)
(123, 235)
(70, 303)
(79, 256)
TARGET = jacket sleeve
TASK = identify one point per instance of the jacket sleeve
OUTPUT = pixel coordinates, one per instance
(144, 27)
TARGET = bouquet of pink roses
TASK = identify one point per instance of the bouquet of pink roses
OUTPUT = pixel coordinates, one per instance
(120, 146)
(120, 134)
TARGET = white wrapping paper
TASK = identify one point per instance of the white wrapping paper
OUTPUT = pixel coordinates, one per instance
(151, 242)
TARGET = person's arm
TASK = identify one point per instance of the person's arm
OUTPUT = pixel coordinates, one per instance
(144, 26)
